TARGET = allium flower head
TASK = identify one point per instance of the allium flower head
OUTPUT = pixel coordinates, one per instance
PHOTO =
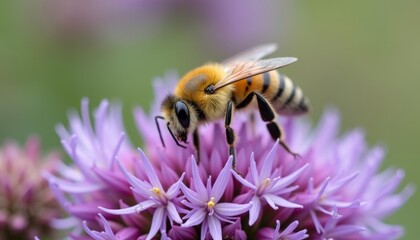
(334, 191)
(27, 207)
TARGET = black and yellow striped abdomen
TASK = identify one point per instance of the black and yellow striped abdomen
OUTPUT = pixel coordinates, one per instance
(285, 97)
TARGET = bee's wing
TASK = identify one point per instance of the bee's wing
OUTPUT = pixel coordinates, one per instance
(243, 70)
(253, 54)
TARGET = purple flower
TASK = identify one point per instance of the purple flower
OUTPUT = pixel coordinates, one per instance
(322, 199)
(267, 185)
(85, 184)
(155, 197)
(334, 190)
(204, 203)
(288, 233)
(27, 207)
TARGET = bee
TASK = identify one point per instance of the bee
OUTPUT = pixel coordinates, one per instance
(212, 92)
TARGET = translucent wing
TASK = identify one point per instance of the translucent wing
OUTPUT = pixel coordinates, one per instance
(242, 70)
(253, 54)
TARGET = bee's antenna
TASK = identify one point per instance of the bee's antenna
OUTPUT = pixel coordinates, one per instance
(173, 136)
(160, 133)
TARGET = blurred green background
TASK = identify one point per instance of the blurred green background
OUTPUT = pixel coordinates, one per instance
(360, 56)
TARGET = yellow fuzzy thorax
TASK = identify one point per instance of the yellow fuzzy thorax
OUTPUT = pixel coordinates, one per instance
(191, 88)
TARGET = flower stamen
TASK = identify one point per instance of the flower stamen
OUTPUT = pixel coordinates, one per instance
(160, 195)
(156, 190)
(211, 203)
(266, 182)
(263, 186)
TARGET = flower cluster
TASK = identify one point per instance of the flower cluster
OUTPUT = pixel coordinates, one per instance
(27, 207)
(112, 191)
(224, 26)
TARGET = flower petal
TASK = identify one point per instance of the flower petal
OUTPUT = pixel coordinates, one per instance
(255, 210)
(276, 231)
(192, 196)
(198, 184)
(215, 227)
(139, 185)
(173, 190)
(105, 224)
(316, 222)
(157, 222)
(196, 218)
(267, 163)
(222, 180)
(150, 171)
(133, 209)
(290, 228)
(173, 213)
(73, 187)
(274, 200)
(117, 148)
(204, 229)
(231, 209)
(243, 180)
(286, 181)
(254, 170)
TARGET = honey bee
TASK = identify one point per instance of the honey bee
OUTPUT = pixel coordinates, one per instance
(214, 90)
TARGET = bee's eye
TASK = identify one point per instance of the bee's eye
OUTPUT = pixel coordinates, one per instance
(182, 114)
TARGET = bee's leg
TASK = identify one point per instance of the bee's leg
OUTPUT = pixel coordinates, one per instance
(252, 123)
(196, 142)
(268, 115)
(230, 135)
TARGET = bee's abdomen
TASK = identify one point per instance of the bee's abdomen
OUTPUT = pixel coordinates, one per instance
(288, 98)
(284, 95)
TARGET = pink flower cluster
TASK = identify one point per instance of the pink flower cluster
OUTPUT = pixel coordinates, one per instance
(27, 207)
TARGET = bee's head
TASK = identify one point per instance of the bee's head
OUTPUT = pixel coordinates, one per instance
(181, 116)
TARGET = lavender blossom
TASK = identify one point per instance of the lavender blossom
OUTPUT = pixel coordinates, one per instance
(155, 197)
(204, 203)
(268, 186)
(92, 179)
(27, 207)
(334, 191)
